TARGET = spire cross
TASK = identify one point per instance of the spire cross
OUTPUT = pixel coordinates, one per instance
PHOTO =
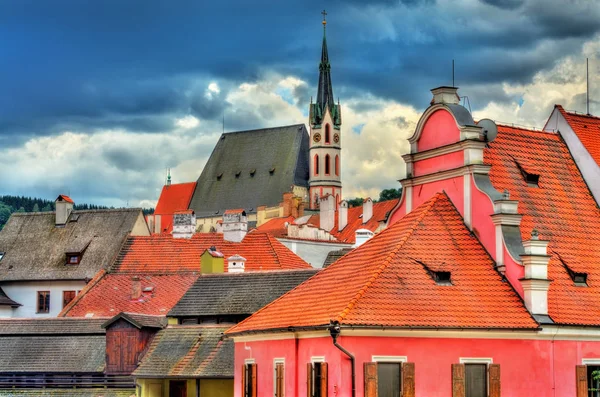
(324, 13)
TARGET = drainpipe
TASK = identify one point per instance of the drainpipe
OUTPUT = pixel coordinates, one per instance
(334, 330)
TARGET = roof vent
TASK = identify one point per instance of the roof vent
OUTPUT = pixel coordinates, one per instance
(219, 176)
(238, 173)
(272, 171)
(442, 278)
(252, 172)
(531, 179)
(579, 278)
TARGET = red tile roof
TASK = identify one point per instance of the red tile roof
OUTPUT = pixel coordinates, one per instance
(173, 198)
(276, 227)
(66, 198)
(587, 129)
(562, 209)
(385, 282)
(163, 253)
(112, 294)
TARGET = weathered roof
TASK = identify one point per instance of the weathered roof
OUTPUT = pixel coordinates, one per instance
(6, 301)
(94, 392)
(561, 208)
(388, 281)
(35, 249)
(587, 128)
(173, 198)
(248, 169)
(237, 293)
(163, 253)
(188, 352)
(333, 256)
(138, 320)
(51, 326)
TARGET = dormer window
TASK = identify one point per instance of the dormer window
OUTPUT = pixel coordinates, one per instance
(1, 255)
(579, 278)
(219, 176)
(442, 278)
(73, 259)
(530, 178)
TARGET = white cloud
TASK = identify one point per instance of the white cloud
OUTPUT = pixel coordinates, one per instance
(187, 122)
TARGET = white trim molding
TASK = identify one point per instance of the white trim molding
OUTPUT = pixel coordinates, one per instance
(389, 359)
(476, 360)
(249, 361)
(590, 361)
(317, 359)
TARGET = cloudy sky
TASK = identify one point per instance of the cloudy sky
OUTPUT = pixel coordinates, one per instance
(100, 97)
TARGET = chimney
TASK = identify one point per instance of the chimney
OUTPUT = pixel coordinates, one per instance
(235, 225)
(362, 236)
(212, 261)
(157, 224)
(287, 204)
(236, 264)
(367, 210)
(342, 215)
(327, 212)
(184, 224)
(447, 95)
(535, 282)
(136, 288)
(64, 206)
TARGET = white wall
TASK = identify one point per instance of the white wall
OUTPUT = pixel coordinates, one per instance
(312, 252)
(25, 293)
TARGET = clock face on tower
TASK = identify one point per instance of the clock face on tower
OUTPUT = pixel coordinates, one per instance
(336, 138)
(317, 137)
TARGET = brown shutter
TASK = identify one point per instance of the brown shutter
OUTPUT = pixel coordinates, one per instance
(279, 379)
(309, 379)
(370, 379)
(408, 380)
(581, 379)
(244, 388)
(458, 380)
(253, 379)
(323, 384)
(494, 376)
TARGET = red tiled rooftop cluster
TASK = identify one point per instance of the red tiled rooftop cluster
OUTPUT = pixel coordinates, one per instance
(587, 128)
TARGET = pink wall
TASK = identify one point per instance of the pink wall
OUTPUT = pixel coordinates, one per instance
(540, 368)
(439, 130)
(441, 163)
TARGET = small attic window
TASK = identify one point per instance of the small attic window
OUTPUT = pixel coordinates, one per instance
(238, 173)
(272, 171)
(442, 278)
(579, 278)
(219, 176)
(73, 259)
(531, 179)
(74, 218)
(1, 255)
(252, 172)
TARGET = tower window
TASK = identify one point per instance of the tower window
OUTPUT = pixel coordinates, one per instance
(327, 164)
(316, 165)
(327, 134)
(337, 165)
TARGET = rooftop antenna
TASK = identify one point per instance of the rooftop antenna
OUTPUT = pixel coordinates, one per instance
(453, 73)
(587, 83)
(168, 177)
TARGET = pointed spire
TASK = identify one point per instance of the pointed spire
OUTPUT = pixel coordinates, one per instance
(168, 177)
(325, 92)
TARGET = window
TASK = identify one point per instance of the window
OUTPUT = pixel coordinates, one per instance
(73, 259)
(68, 296)
(593, 380)
(388, 379)
(531, 179)
(1, 255)
(476, 380)
(327, 134)
(279, 389)
(249, 380)
(327, 164)
(579, 279)
(337, 165)
(389, 376)
(317, 379)
(588, 384)
(478, 377)
(442, 278)
(316, 164)
(43, 301)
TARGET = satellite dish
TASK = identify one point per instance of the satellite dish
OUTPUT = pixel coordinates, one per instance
(490, 130)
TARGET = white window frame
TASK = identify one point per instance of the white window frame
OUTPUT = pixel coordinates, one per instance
(275, 362)
(590, 361)
(317, 359)
(389, 359)
(479, 360)
(249, 361)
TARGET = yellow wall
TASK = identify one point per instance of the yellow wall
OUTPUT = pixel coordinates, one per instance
(208, 388)
(216, 388)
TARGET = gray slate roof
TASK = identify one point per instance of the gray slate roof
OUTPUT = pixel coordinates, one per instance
(188, 352)
(52, 326)
(36, 250)
(282, 149)
(99, 392)
(333, 256)
(237, 293)
(6, 301)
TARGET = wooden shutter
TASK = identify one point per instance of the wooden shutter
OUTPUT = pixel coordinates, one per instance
(408, 380)
(244, 384)
(253, 379)
(279, 380)
(494, 379)
(458, 380)
(309, 379)
(370, 379)
(323, 385)
(581, 380)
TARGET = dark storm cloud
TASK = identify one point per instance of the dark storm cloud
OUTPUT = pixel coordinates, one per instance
(506, 4)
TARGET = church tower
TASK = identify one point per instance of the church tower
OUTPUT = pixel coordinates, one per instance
(325, 120)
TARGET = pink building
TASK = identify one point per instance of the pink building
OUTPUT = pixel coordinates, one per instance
(485, 282)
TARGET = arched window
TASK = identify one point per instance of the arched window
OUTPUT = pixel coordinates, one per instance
(337, 165)
(327, 134)
(327, 164)
(316, 164)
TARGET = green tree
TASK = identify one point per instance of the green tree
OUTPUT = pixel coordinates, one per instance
(355, 202)
(5, 212)
(390, 194)
(36, 208)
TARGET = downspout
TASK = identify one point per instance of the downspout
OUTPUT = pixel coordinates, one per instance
(334, 330)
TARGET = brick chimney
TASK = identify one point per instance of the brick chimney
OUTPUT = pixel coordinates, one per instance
(235, 225)
(136, 288)
(367, 210)
(236, 264)
(535, 282)
(64, 207)
(342, 215)
(287, 203)
(212, 261)
(327, 212)
(184, 224)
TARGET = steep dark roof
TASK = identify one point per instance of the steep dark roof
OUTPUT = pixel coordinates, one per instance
(188, 352)
(237, 293)
(51, 326)
(333, 256)
(98, 392)
(139, 320)
(6, 301)
(248, 169)
(35, 249)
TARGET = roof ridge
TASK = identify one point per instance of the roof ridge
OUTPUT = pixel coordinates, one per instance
(264, 129)
(95, 280)
(388, 258)
(275, 253)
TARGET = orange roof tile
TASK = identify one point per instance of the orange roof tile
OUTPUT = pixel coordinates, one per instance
(385, 282)
(173, 198)
(276, 227)
(587, 129)
(163, 253)
(562, 209)
(66, 198)
(112, 294)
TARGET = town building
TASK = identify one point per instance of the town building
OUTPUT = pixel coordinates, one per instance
(47, 258)
(483, 283)
(173, 198)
